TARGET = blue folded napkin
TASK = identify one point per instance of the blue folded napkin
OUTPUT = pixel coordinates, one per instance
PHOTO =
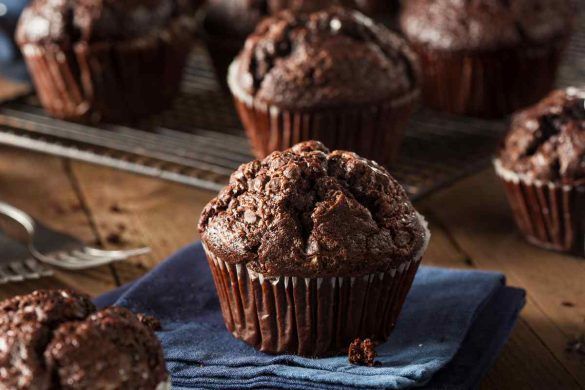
(11, 64)
(449, 333)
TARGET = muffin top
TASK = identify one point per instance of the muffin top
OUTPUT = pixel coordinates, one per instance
(547, 141)
(311, 213)
(240, 17)
(68, 21)
(26, 323)
(43, 345)
(484, 24)
(128, 352)
(326, 58)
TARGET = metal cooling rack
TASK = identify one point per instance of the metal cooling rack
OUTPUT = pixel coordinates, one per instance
(199, 141)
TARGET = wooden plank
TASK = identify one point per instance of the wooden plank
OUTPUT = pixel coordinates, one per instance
(476, 215)
(131, 210)
(40, 185)
(12, 89)
(525, 352)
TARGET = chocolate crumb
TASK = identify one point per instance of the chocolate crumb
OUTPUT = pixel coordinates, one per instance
(115, 208)
(469, 262)
(363, 353)
(576, 346)
(114, 238)
(567, 304)
(149, 321)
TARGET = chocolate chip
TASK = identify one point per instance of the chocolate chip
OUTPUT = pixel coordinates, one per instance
(250, 216)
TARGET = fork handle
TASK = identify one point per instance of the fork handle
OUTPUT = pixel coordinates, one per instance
(19, 216)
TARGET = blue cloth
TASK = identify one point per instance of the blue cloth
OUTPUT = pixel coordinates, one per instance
(449, 333)
(11, 64)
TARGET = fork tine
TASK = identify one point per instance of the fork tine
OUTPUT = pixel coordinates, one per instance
(116, 253)
(7, 273)
(3, 276)
(19, 268)
(68, 261)
(84, 256)
(38, 267)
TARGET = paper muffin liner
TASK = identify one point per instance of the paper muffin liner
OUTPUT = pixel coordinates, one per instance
(110, 80)
(310, 316)
(164, 385)
(488, 84)
(549, 215)
(374, 131)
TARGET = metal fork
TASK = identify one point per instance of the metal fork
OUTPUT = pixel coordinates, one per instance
(16, 264)
(61, 250)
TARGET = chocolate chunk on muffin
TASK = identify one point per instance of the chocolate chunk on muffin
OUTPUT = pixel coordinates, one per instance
(54, 339)
(333, 75)
(106, 60)
(321, 228)
(542, 165)
(487, 57)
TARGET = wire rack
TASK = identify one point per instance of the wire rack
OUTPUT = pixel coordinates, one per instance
(199, 141)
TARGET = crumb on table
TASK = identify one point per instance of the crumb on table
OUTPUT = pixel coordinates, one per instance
(362, 353)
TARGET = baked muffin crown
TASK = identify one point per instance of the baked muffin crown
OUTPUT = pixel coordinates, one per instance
(308, 212)
(485, 24)
(50, 338)
(118, 341)
(67, 21)
(329, 57)
(547, 141)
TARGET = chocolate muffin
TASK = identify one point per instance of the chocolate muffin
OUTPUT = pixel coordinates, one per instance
(542, 165)
(55, 340)
(228, 23)
(106, 60)
(322, 248)
(332, 75)
(487, 58)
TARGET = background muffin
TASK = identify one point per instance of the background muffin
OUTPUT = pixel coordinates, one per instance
(55, 339)
(542, 166)
(306, 233)
(333, 75)
(228, 23)
(106, 60)
(487, 57)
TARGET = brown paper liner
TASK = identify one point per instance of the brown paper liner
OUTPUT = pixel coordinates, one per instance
(488, 84)
(309, 316)
(374, 131)
(549, 215)
(116, 81)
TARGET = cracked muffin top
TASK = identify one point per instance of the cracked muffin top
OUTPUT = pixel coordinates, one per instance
(485, 24)
(309, 212)
(240, 17)
(547, 141)
(68, 21)
(53, 339)
(325, 58)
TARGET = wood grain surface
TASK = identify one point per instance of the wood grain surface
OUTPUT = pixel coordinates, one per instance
(470, 221)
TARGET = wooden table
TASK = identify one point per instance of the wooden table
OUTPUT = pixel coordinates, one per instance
(470, 222)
